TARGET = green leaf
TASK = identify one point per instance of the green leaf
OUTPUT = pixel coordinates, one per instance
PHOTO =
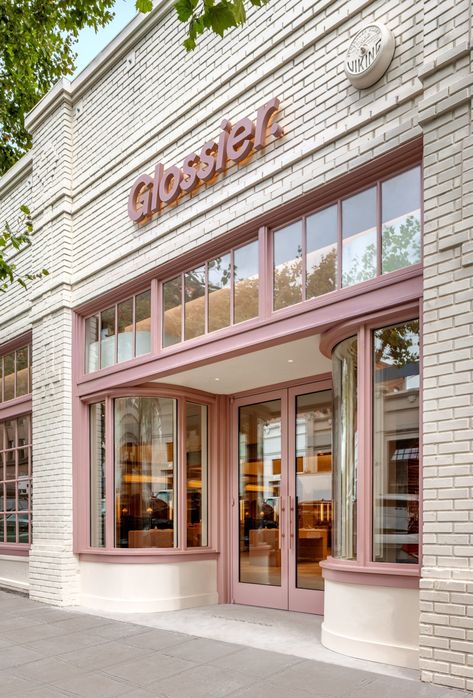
(184, 9)
(239, 11)
(189, 44)
(24, 209)
(221, 18)
(144, 5)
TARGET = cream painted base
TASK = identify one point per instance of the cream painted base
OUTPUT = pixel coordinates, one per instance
(372, 622)
(14, 572)
(147, 588)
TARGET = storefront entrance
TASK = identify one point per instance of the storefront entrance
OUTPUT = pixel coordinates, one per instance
(282, 498)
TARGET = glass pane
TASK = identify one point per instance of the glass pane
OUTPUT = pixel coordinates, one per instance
(107, 337)
(345, 448)
(2, 529)
(401, 220)
(23, 495)
(196, 463)
(92, 343)
(10, 495)
(11, 528)
(125, 330)
(359, 237)
(22, 372)
(172, 299)
(259, 488)
(322, 252)
(219, 278)
(2, 496)
(287, 266)
(9, 376)
(194, 311)
(145, 472)
(246, 282)
(143, 323)
(396, 444)
(313, 486)
(23, 448)
(97, 475)
(23, 527)
(1, 382)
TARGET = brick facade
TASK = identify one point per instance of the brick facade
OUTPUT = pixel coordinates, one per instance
(145, 101)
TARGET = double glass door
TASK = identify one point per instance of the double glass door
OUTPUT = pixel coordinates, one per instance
(283, 497)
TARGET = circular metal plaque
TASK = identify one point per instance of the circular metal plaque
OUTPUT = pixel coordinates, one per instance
(369, 55)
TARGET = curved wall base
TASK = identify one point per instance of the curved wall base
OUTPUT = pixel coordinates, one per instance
(14, 572)
(377, 623)
(146, 588)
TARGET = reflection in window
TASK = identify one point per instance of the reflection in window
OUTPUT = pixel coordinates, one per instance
(194, 298)
(321, 252)
(313, 486)
(396, 443)
(125, 330)
(287, 266)
(145, 472)
(97, 474)
(219, 292)
(15, 480)
(143, 323)
(196, 464)
(107, 337)
(359, 237)
(118, 333)
(15, 374)
(172, 301)
(246, 282)
(232, 277)
(345, 448)
(400, 237)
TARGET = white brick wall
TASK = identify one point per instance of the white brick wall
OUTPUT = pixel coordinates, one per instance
(113, 124)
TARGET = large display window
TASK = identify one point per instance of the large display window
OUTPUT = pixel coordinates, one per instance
(149, 471)
(376, 380)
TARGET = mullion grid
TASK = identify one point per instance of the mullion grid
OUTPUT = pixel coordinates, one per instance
(11, 456)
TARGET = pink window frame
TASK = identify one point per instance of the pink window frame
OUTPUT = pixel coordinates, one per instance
(12, 409)
(82, 480)
(364, 570)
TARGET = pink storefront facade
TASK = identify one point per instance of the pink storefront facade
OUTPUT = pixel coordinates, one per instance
(247, 377)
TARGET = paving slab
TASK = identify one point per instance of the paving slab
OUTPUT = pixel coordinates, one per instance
(80, 654)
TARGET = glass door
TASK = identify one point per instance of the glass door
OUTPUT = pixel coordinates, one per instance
(310, 496)
(282, 502)
(261, 560)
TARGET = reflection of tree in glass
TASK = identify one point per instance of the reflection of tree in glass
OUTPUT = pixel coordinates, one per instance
(398, 345)
(287, 282)
(400, 248)
(323, 277)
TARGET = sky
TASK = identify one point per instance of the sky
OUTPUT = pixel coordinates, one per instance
(90, 43)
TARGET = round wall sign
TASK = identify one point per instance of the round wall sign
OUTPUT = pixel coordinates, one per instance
(369, 55)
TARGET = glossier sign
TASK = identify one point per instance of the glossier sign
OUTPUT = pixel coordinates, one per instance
(149, 194)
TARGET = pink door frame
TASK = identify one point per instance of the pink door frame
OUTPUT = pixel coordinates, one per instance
(287, 596)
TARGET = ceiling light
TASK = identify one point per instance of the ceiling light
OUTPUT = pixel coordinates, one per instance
(290, 361)
(216, 379)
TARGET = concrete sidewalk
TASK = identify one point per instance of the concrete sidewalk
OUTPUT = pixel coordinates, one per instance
(48, 653)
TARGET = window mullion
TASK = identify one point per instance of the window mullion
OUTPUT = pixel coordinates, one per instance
(109, 475)
(181, 475)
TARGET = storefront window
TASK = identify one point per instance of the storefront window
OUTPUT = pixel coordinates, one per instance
(118, 333)
(287, 266)
(15, 480)
(396, 443)
(401, 220)
(209, 291)
(97, 475)
(145, 472)
(359, 237)
(15, 374)
(196, 474)
(321, 252)
(345, 449)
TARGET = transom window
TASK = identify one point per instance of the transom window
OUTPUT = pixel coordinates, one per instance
(118, 333)
(371, 233)
(15, 374)
(15, 480)
(221, 292)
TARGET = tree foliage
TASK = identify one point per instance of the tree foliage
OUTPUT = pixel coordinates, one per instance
(13, 240)
(212, 15)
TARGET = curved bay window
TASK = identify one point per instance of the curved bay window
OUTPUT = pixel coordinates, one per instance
(376, 383)
(157, 455)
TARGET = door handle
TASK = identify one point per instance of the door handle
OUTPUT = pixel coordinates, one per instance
(281, 522)
(291, 522)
